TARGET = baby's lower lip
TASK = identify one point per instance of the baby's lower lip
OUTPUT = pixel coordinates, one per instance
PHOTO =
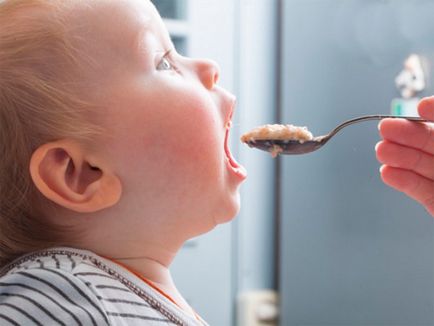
(233, 164)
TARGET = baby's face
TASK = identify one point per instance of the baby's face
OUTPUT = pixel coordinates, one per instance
(167, 122)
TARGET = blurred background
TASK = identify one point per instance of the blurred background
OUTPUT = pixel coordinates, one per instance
(319, 240)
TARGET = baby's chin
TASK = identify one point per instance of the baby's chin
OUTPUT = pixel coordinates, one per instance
(225, 213)
(229, 210)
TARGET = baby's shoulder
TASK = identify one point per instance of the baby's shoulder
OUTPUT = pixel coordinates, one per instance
(62, 261)
(62, 269)
(70, 263)
(43, 289)
(68, 286)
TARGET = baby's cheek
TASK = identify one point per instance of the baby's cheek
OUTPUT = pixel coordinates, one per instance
(196, 143)
(199, 126)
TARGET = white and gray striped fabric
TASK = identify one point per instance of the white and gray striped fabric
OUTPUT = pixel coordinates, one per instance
(65, 286)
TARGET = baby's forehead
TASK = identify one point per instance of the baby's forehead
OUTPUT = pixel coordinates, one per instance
(113, 25)
(113, 40)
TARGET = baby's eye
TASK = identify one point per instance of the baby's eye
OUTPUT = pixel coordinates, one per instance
(165, 64)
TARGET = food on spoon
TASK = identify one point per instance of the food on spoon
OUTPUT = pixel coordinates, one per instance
(277, 132)
(280, 132)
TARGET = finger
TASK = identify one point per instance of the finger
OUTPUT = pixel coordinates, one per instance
(412, 184)
(407, 158)
(426, 108)
(409, 133)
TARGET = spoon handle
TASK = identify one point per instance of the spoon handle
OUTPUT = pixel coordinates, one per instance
(374, 117)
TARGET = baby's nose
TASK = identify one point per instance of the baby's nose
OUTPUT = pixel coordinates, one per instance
(208, 72)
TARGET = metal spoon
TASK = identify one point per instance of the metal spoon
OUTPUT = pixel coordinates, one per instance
(292, 147)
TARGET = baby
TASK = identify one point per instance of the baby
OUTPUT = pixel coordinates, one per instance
(126, 143)
(114, 153)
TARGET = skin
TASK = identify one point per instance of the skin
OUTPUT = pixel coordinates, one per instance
(407, 155)
(161, 174)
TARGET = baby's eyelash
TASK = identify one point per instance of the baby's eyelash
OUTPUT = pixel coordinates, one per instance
(169, 57)
(166, 58)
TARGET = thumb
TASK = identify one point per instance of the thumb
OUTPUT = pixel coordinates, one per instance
(426, 108)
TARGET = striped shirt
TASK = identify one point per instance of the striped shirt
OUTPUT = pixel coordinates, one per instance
(65, 286)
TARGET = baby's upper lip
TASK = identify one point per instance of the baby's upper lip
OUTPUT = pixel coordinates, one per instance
(232, 102)
(227, 103)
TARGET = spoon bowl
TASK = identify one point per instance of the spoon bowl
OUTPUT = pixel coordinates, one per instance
(295, 147)
(287, 147)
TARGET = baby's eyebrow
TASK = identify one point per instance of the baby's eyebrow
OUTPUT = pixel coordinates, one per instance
(167, 52)
(138, 40)
(141, 45)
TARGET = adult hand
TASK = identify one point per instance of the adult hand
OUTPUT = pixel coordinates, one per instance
(407, 155)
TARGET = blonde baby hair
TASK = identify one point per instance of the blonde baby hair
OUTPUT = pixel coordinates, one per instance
(42, 99)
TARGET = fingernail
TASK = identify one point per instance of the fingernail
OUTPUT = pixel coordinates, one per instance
(376, 146)
(378, 125)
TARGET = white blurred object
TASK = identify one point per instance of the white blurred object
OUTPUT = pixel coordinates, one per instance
(258, 308)
(411, 80)
(403, 107)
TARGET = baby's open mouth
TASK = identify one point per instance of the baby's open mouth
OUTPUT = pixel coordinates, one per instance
(233, 164)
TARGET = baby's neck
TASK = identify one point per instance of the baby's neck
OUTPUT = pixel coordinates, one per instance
(148, 268)
(159, 275)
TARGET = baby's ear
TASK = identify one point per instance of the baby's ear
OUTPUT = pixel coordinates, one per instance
(65, 174)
